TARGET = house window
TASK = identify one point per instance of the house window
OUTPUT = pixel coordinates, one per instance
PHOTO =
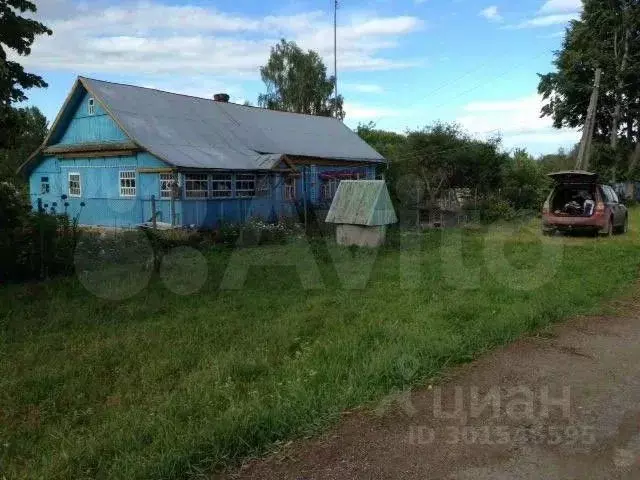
(221, 185)
(290, 188)
(128, 183)
(45, 187)
(328, 188)
(263, 185)
(196, 185)
(167, 184)
(245, 185)
(91, 106)
(75, 189)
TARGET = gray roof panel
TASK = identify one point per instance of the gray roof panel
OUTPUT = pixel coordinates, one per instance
(193, 132)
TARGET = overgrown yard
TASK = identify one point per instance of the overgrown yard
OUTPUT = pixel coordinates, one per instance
(163, 385)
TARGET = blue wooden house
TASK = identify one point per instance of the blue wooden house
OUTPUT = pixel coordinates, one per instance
(113, 147)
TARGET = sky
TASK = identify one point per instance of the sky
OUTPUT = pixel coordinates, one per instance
(402, 64)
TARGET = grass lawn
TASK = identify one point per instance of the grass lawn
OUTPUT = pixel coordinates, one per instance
(167, 385)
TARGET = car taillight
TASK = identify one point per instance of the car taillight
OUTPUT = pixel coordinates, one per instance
(600, 208)
(545, 208)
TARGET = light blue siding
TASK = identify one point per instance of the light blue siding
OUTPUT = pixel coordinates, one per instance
(86, 128)
(100, 190)
(210, 213)
(104, 206)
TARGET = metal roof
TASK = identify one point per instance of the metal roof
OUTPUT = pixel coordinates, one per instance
(194, 132)
(362, 202)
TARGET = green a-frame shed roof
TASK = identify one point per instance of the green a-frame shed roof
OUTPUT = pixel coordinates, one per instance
(362, 202)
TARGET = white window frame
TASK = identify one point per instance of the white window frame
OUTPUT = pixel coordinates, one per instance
(245, 185)
(167, 180)
(79, 181)
(128, 183)
(328, 188)
(45, 185)
(91, 106)
(221, 185)
(290, 189)
(190, 179)
(263, 185)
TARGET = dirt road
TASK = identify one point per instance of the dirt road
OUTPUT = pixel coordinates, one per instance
(563, 404)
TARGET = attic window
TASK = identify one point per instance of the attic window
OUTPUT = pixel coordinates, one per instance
(91, 106)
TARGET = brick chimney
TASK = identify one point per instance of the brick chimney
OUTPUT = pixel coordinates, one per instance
(221, 97)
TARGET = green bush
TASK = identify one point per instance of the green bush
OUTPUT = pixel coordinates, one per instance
(33, 244)
(14, 206)
(253, 232)
(493, 208)
(43, 245)
(258, 232)
(524, 184)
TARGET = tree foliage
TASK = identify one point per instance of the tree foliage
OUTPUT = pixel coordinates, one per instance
(297, 82)
(606, 36)
(17, 33)
(383, 141)
(524, 181)
(27, 132)
(442, 156)
(425, 164)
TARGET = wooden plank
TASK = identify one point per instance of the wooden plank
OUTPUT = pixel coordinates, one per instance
(155, 170)
(104, 153)
(326, 162)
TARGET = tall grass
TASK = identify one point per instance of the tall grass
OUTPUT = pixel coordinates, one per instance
(163, 385)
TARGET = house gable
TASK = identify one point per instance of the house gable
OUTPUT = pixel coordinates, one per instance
(77, 124)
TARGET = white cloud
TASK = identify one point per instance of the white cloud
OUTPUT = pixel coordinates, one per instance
(548, 20)
(517, 120)
(149, 38)
(559, 6)
(492, 14)
(362, 87)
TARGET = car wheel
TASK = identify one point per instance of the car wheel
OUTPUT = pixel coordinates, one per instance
(609, 230)
(624, 227)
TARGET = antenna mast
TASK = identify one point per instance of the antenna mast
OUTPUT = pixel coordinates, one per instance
(335, 54)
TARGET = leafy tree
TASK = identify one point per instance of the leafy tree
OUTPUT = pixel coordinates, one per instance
(28, 129)
(607, 36)
(297, 82)
(555, 162)
(17, 33)
(383, 141)
(442, 156)
(525, 184)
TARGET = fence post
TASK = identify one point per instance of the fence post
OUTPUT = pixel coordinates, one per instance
(153, 211)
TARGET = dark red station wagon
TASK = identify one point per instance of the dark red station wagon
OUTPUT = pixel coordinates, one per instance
(578, 202)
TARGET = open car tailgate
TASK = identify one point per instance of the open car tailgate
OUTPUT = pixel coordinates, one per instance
(574, 176)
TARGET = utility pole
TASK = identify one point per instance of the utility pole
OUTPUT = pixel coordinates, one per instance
(335, 54)
(582, 162)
